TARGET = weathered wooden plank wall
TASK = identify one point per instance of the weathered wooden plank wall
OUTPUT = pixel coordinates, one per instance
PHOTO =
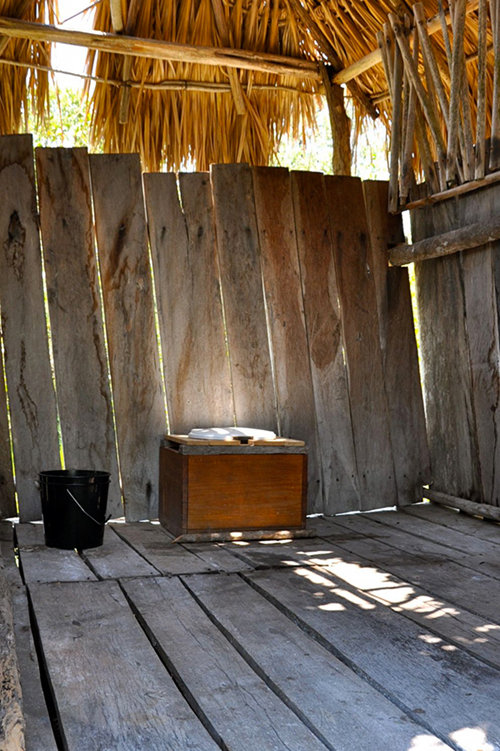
(31, 392)
(458, 311)
(83, 393)
(130, 320)
(274, 310)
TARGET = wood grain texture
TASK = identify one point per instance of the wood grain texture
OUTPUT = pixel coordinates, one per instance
(447, 517)
(115, 559)
(345, 627)
(244, 308)
(447, 377)
(42, 564)
(31, 394)
(89, 632)
(7, 490)
(447, 573)
(358, 303)
(133, 349)
(12, 725)
(83, 392)
(203, 659)
(285, 311)
(324, 335)
(188, 292)
(157, 548)
(314, 681)
(399, 350)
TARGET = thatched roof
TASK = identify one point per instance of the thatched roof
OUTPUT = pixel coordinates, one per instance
(173, 110)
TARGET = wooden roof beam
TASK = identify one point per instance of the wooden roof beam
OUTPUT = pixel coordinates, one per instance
(374, 58)
(120, 44)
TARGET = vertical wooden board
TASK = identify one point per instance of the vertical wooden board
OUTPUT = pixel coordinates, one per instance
(31, 393)
(358, 304)
(83, 393)
(7, 497)
(324, 332)
(244, 308)
(446, 369)
(480, 267)
(484, 352)
(285, 306)
(129, 309)
(186, 275)
(399, 350)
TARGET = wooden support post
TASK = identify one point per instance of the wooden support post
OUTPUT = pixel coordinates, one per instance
(465, 238)
(340, 125)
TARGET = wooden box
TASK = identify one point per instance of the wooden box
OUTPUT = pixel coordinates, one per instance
(220, 487)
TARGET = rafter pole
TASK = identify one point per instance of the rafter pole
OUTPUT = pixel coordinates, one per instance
(160, 50)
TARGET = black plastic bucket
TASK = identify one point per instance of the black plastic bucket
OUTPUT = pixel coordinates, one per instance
(74, 507)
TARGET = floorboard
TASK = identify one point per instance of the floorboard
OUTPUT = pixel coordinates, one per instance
(382, 632)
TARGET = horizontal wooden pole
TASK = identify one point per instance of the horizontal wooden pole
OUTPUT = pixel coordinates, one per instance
(374, 58)
(120, 44)
(465, 238)
(210, 87)
(457, 190)
(470, 507)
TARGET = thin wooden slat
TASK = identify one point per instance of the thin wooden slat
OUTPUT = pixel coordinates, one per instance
(31, 394)
(396, 129)
(408, 665)
(188, 292)
(399, 349)
(130, 321)
(456, 89)
(481, 90)
(285, 308)
(244, 308)
(83, 393)
(42, 564)
(447, 375)
(203, 659)
(324, 335)
(104, 671)
(358, 303)
(494, 161)
(7, 491)
(158, 549)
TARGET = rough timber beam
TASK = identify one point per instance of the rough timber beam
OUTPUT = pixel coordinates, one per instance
(120, 44)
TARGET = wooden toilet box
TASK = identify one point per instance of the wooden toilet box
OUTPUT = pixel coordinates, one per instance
(220, 486)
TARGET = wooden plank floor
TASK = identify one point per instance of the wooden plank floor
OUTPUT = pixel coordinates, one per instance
(380, 633)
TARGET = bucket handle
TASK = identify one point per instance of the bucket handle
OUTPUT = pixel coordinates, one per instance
(99, 524)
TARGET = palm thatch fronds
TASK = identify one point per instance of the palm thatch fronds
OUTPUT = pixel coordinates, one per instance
(17, 84)
(240, 116)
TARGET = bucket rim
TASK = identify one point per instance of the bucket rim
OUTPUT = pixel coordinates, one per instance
(73, 474)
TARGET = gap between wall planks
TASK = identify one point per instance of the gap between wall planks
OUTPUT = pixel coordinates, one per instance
(458, 310)
(264, 238)
(31, 393)
(184, 258)
(130, 321)
(83, 393)
(7, 490)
